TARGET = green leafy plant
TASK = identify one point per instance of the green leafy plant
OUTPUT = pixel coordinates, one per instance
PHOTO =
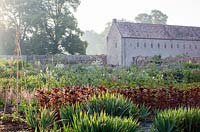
(169, 121)
(102, 123)
(31, 114)
(67, 112)
(111, 104)
(47, 118)
(2, 101)
(144, 111)
(180, 120)
(191, 121)
(39, 119)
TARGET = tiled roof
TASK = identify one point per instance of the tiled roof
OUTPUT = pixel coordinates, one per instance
(158, 31)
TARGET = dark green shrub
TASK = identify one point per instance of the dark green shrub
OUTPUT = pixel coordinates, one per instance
(196, 76)
(157, 59)
(191, 76)
(191, 66)
(173, 76)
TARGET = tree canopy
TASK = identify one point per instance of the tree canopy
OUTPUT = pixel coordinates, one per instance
(155, 17)
(46, 26)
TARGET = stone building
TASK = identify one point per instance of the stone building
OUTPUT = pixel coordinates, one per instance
(126, 41)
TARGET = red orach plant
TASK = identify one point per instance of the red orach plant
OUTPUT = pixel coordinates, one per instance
(163, 98)
(66, 96)
(160, 98)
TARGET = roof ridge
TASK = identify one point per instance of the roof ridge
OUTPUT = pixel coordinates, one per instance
(157, 24)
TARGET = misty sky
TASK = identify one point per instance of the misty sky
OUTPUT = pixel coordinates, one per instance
(94, 14)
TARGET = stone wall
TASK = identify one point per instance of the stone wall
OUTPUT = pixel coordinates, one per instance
(60, 59)
(114, 46)
(165, 48)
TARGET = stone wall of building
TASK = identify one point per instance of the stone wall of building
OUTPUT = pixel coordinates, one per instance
(114, 46)
(165, 48)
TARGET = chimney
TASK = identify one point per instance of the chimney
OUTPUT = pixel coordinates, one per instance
(114, 20)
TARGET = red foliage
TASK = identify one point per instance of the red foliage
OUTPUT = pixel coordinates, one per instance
(163, 98)
(65, 96)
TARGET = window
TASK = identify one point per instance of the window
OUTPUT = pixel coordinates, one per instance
(195, 46)
(138, 44)
(177, 45)
(190, 46)
(165, 46)
(145, 45)
(158, 45)
(184, 46)
(151, 45)
(171, 45)
(134, 62)
(115, 45)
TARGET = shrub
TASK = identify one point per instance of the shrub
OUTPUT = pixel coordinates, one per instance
(173, 76)
(111, 104)
(102, 123)
(191, 65)
(191, 76)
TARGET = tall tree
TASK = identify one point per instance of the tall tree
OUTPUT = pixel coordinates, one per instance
(7, 40)
(155, 17)
(47, 26)
(19, 14)
(143, 18)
